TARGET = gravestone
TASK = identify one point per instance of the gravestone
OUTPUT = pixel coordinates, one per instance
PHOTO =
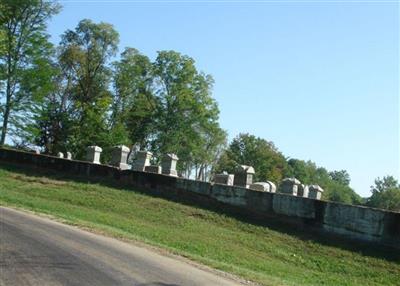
(289, 186)
(153, 169)
(142, 160)
(315, 192)
(224, 178)
(243, 176)
(69, 156)
(272, 187)
(260, 186)
(60, 155)
(168, 164)
(302, 191)
(119, 157)
(93, 154)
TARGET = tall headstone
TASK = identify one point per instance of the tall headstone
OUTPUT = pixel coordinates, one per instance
(93, 154)
(244, 176)
(289, 186)
(119, 157)
(315, 192)
(168, 164)
(224, 178)
(69, 156)
(60, 155)
(142, 160)
(302, 191)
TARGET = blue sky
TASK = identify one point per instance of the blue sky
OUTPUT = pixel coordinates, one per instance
(320, 80)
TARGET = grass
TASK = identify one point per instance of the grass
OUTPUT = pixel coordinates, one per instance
(262, 253)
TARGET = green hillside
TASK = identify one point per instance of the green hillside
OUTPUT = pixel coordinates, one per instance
(265, 253)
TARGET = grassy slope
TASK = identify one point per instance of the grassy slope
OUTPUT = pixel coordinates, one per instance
(257, 253)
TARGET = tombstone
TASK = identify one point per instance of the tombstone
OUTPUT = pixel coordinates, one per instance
(315, 192)
(302, 191)
(260, 186)
(93, 154)
(244, 176)
(60, 155)
(272, 187)
(168, 164)
(289, 186)
(119, 157)
(142, 160)
(224, 178)
(69, 156)
(153, 169)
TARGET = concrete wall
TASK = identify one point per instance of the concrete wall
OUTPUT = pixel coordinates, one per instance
(351, 221)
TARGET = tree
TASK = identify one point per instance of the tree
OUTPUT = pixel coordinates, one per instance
(134, 104)
(84, 54)
(24, 52)
(246, 149)
(342, 177)
(385, 194)
(186, 118)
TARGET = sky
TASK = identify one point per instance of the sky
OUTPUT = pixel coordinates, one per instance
(320, 79)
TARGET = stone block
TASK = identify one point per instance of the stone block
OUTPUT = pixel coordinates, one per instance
(272, 187)
(153, 169)
(244, 176)
(260, 186)
(168, 164)
(302, 191)
(69, 156)
(289, 186)
(142, 160)
(119, 157)
(226, 179)
(93, 154)
(315, 192)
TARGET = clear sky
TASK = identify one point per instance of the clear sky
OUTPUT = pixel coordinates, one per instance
(318, 78)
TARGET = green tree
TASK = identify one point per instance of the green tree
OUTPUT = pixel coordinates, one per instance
(385, 194)
(186, 114)
(342, 177)
(84, 56)
(246, 149)
(134, 105)
(24, 52)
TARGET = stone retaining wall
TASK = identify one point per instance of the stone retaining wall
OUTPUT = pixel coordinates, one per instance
(347, 220)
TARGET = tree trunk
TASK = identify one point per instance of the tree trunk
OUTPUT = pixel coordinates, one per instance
(6, 114)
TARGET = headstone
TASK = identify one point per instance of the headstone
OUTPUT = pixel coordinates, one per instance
(289, 186)
(69, 156)
(93, 154)
(60, 155)
(142, 160)
(315, 192)
(153, 169)
(302, 191)
(272, 187)
(260, 186)
(168, 164)
(224, 178)
(244, 176)
(119, 157)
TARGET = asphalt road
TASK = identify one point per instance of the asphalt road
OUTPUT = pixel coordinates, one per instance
(37, 251)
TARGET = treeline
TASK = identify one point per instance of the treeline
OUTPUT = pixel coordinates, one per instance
(67, 97)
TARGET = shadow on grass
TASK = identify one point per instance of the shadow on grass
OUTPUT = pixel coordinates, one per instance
(299, 230)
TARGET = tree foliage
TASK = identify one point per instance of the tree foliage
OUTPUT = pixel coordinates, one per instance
(385, 194)
(247, 149)
(25, 69)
